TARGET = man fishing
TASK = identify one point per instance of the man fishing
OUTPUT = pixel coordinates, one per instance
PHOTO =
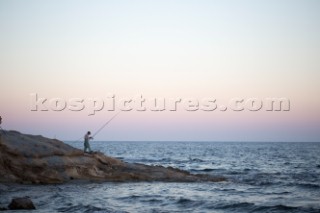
(86, 142)
(1, 129)
(87, 136)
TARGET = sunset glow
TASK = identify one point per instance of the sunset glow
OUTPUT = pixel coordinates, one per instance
(166, 49)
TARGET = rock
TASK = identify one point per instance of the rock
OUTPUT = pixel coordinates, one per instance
(21, 203)
(39, 160)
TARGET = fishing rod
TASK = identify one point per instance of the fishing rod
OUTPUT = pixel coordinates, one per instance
(103, 126)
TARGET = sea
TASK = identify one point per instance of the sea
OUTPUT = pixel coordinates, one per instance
(262, 177)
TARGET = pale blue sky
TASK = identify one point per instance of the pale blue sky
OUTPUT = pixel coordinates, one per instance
(165, 48)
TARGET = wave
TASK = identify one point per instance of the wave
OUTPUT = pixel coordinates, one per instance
(285, 208)
(202, 170)
(309, 185)
(197, 160)
(189, 203)
(88, 209)
(251, 207)
(236, 207)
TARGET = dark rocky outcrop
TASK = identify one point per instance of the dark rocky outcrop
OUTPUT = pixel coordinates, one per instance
(21, 203)
(36, 159)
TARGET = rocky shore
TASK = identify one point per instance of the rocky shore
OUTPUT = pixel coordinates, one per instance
(34, 159)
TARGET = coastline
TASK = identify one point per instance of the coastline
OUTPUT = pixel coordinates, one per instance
(34, 159)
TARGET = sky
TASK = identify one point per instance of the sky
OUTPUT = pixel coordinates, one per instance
(188, 50)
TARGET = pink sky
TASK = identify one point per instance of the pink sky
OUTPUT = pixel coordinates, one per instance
(170, 49)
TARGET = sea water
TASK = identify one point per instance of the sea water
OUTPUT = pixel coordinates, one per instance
(262, 177)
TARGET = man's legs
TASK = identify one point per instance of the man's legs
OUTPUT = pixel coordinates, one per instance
(87, 146)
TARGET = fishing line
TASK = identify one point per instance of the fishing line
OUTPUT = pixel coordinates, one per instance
(102, 127)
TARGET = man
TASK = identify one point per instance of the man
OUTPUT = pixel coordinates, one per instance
(86, 142)
(1, 123)
(0, 129)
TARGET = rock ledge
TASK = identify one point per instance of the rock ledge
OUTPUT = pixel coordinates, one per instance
(39, 160)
